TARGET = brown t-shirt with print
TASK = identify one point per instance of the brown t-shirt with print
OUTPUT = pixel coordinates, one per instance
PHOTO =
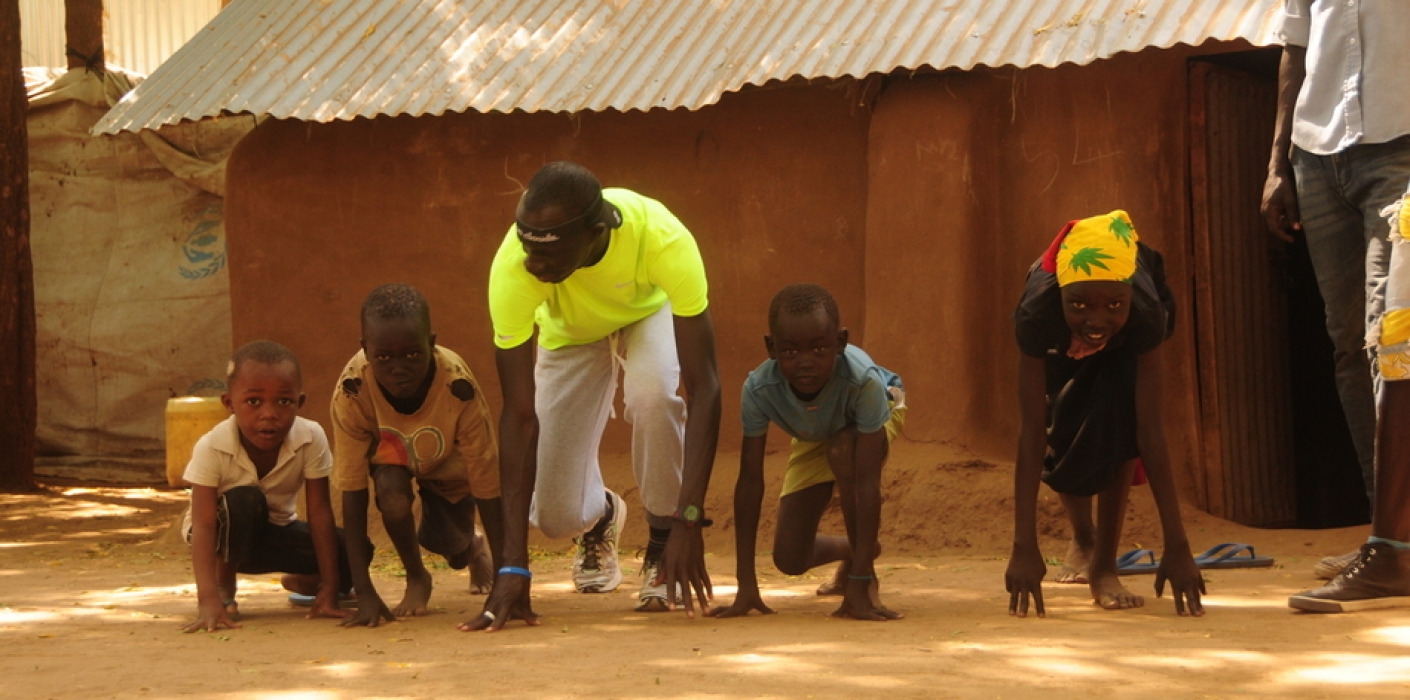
(448, 443)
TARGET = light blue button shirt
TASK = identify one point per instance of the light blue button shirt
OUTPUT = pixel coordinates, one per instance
(1357, 88)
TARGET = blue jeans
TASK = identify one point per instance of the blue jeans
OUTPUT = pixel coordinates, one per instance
(1340, 197)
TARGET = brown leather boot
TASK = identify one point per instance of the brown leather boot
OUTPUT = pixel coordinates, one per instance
(1379, 578)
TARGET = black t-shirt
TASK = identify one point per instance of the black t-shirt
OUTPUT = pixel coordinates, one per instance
(1041, 329)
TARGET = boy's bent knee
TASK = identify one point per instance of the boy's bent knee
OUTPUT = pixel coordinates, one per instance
(394, 504)
(394, 495)
(790, 563)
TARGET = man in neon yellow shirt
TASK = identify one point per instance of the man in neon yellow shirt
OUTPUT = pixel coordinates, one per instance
(610, 278)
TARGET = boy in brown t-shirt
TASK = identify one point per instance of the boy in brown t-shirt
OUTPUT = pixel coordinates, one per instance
(406, 409)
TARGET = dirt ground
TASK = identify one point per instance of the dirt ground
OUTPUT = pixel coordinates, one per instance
(93, 587)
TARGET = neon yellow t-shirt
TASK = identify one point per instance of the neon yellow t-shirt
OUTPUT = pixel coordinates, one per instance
(651, 258)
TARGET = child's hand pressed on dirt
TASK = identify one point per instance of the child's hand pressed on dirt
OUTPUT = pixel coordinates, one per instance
(1024, 578)
(1186, 582)
(371, 611)
(211, 617)
(325, 604)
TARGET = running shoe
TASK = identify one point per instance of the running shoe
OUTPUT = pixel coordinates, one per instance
(595, 567)
(653, 595)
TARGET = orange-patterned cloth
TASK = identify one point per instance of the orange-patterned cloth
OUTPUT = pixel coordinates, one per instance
(1096, 248)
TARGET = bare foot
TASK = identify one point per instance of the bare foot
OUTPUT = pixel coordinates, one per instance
(481, 567)
(1074, 566)
(227, 597)
(1108, 592)
(418, 593)
(877, 611)
(879, 614)
(838, 585)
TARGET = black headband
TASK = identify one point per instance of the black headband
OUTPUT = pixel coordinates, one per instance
(551, 233)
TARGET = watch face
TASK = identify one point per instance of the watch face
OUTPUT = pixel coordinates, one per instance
(691, 514)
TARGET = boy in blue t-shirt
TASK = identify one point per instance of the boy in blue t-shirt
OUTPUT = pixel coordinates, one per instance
(842, 411)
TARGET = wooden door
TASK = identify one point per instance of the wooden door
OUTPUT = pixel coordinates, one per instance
(1240, 310)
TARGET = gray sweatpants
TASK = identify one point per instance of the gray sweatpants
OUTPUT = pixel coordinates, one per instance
(574, 390)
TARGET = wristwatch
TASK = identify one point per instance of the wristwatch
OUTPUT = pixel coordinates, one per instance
(692, 516)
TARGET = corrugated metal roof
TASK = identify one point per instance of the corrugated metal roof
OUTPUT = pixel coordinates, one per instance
(321, 60)
(137, 34)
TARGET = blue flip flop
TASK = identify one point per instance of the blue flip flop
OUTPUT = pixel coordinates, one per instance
(306, 601)
(1131, 562)
(1232, 555)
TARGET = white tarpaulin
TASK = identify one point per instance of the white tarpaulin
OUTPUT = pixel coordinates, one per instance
(132, 295)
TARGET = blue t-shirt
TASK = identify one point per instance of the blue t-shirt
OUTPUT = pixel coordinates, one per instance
(855, 395)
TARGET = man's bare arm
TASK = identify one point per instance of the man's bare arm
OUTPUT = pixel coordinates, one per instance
(1280, 208)
(684, 560)
(518, 469)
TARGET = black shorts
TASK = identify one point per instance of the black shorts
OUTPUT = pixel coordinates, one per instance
(446, 528)
(246, 538)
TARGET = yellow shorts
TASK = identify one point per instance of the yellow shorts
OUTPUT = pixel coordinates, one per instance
(1394, 358)
(807, 462)
(1392, 338)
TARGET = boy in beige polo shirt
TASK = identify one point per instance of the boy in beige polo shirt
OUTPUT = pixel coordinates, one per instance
(406, 409)
(245, 477)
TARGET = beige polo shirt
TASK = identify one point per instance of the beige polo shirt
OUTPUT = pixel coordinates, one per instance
(219, 461)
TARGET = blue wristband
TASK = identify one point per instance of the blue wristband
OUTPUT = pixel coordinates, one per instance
(516, 570)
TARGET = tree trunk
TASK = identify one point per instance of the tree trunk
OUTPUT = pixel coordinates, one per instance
(17, 399)
(83, 31)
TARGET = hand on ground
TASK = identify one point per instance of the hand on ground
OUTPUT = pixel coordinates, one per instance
(509, 600)
(1186, 582)
(683, 564)
(211, 617)
(325, 604)
(371, 611)
(1024, 579)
